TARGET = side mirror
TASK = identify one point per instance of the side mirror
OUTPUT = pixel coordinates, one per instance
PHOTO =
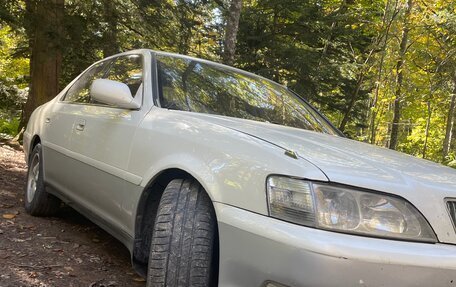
(113, 93)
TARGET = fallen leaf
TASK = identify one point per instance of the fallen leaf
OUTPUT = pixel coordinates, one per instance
(139, 279)
(26, 226)
(17, 240)
(48, 237)
(33, 274)
(9, 216)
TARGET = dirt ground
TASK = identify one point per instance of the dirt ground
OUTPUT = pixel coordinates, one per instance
(67, 250)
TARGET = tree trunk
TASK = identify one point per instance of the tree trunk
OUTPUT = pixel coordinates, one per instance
(449, 133)
(340, 11)
(400, 78)
(185, 27)
(352, 102)
(453, 134)
(111, 45)
(45, 30)
(384, 39)
(428, 126)
(231, 30)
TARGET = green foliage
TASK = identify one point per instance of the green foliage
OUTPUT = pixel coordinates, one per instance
(13, 80)
(414, 142)
(97, 29)
(450, 160)
(341, 55)
(318, 49)
(8, 127)
(11, 101)
(11, 97)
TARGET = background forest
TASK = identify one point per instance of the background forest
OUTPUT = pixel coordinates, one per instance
(384, 71)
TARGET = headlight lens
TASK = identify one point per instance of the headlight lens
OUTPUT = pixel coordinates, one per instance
(345, 210)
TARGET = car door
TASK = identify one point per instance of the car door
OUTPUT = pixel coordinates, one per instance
(58, 129)
(101, 139)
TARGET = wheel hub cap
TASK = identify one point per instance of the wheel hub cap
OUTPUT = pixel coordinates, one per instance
(32, 180)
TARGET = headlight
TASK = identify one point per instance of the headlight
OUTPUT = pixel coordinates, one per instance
(346, 210)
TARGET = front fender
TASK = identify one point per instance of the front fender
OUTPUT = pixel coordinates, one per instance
(34, 128)
(231, 166)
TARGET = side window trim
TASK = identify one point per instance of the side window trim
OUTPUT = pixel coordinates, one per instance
(155, 80)
(143, 75)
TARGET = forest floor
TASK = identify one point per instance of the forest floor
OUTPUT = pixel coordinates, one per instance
(66, 250)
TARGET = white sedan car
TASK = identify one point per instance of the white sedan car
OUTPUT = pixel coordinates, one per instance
(214, 176)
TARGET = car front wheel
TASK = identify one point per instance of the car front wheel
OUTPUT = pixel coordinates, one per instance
(37, 201)
(182, 251)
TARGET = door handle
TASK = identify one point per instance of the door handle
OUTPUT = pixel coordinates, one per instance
(80, 125)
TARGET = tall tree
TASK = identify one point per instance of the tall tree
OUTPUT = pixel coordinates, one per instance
(450, 121)
(45, 37)
(363, 63)
(389, 15)
(111, 45)
(400, 77)
(231, 30)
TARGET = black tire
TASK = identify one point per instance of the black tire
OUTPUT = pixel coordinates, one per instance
(182, 251)
(39, 202)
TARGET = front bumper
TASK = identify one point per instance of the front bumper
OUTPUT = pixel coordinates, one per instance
(255, 249)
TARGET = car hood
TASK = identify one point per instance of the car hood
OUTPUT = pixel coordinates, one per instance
(351, 162)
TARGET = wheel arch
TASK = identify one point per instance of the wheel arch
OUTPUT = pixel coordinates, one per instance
(33, 142)
(146, 213)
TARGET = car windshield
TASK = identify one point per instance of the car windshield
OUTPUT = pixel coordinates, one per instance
(198, 86)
